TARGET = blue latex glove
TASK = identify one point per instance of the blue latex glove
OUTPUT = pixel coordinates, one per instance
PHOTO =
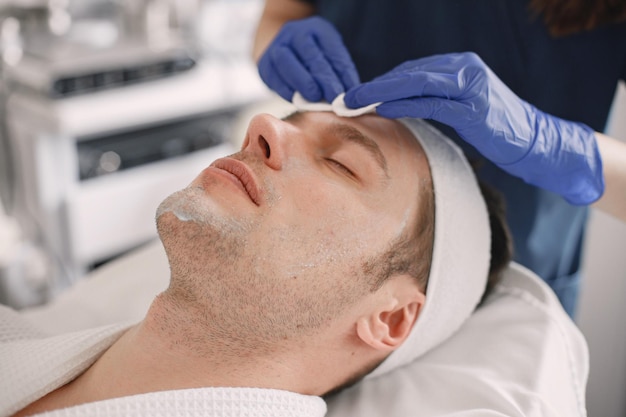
(308, 56)
(461, 91)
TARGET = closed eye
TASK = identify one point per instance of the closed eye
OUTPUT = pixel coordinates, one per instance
(341, 167)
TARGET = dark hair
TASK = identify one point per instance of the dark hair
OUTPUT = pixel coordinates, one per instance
(565, 17)
(501, 242)
(411, 253)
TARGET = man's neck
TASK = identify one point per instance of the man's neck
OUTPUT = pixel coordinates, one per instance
(168, 350)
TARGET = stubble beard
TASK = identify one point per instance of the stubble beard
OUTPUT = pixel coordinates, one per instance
(197, 236)
(228, 287)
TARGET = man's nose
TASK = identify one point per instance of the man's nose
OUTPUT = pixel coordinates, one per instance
(268, 137)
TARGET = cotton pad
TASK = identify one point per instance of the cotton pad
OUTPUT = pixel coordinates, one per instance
(337, 106)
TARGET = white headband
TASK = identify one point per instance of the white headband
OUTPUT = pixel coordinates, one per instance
(461, 247)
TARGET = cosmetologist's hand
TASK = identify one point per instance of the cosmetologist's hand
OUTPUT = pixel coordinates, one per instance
(461, 91)
(308, 56)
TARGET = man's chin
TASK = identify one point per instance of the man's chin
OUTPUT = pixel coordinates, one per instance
(183, 204)
(189, 212)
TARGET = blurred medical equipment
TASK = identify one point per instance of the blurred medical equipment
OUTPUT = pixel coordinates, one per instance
(108, 107)
(63, 47)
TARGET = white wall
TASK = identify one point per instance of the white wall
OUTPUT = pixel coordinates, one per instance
(602, 314)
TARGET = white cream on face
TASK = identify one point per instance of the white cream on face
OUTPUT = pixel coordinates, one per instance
(192, 204)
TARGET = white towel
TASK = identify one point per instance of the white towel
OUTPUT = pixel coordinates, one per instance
(33, 364)
(202, 402)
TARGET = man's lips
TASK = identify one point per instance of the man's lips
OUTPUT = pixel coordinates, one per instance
(242, 175)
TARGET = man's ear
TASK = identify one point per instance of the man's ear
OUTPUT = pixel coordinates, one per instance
(398, 305)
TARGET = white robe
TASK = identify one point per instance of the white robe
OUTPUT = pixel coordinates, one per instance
(33, 364)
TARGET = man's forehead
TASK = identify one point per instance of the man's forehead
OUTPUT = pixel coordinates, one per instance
(391, 135)
(376, 127)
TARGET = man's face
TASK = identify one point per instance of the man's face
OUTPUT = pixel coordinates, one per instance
(278, 234)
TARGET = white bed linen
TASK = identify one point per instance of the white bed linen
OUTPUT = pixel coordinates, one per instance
(518, 355)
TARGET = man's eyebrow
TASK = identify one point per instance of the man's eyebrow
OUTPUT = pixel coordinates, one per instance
(354, 135)
(292, 117)
(351, 134)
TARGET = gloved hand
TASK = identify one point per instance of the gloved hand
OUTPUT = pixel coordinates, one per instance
(308, 56)
(461, 91)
